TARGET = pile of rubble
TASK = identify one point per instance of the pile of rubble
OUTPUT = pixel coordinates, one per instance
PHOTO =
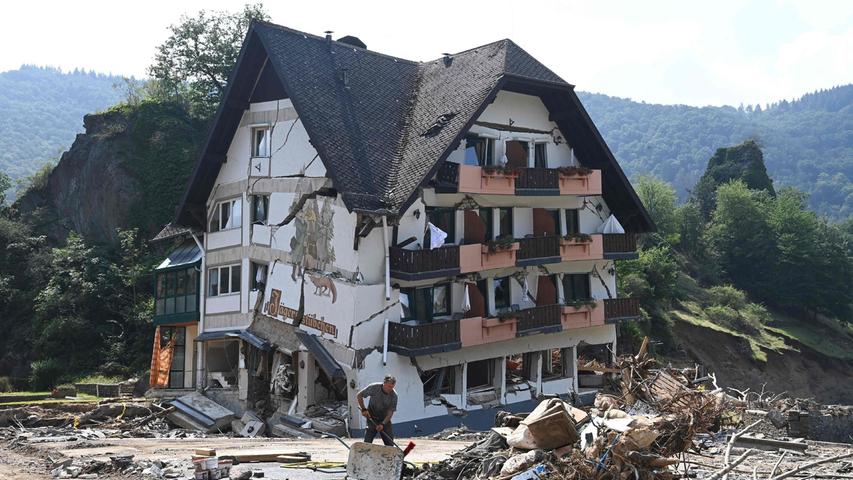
(123, 465)
(645, 429)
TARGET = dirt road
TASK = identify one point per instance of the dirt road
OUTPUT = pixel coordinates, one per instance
(32, 465)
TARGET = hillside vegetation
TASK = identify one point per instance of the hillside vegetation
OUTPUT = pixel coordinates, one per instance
(807, 143)
(41, 109)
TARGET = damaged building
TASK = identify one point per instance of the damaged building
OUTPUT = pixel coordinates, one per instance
(454, 223)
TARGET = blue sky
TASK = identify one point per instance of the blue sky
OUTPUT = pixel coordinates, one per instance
(697, 53)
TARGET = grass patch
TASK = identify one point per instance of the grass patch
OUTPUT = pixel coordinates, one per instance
(758, 341)
(825, 336)
(81, 398)
(16, 394)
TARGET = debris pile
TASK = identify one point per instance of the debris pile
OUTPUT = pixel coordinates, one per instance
(636, 432)
(121, 465)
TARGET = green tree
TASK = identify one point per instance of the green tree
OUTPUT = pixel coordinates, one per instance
(660, 201)
(743, 239)
(5, 184)
(194, 63)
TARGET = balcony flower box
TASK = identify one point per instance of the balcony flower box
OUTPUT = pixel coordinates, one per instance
(581, 247)
(498, 254)
(489, 179)
(579, 181)
(581, 314)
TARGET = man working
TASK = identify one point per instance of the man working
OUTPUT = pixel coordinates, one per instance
(383, 404)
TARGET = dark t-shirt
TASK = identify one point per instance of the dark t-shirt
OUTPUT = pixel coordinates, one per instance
(380, 402)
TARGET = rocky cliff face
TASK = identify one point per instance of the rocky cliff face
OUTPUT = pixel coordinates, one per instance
(127, 171)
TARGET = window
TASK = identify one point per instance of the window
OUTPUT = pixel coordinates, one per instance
(504, 222)
(425, 303)
(572, 221)
(441, 300)
(445, 219)
(261, 142)
(223, 280)
(176, 372)
(540, 155)
(176, 292)
(226, 215)
(488, 223)
(480, 373)
(502, 294)
(479, 151)
(576, 286)
(259, 275)
(260, 209)
(516, 152)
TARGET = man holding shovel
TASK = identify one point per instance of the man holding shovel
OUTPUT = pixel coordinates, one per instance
(383, 404)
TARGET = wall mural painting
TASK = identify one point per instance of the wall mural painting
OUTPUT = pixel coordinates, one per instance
(311, 245)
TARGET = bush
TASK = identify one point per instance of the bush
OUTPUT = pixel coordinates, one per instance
(65, 390)
(45, 374)
(728, 296)
(5, 384)
(634, 285)
(757, 314)
(728, 317)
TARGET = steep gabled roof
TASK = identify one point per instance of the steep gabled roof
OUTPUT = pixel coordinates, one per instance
(380, 124)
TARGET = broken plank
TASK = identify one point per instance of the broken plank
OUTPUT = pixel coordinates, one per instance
(768, 443)
(255, 456)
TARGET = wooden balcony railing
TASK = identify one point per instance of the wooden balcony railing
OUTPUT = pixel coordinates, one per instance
(420, 339)
(541, 319)
(447, 176)
(538, 179)
(621, 308)
(533, 249)
(414, 264)
(620, 243)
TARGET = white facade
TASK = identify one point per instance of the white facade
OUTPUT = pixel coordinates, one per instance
(311, 261)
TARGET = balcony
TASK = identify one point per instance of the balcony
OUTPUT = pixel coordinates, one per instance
(581, 247)
(621, 309)
(453, 177)
(541, 319)
(413, 339)
(424, 338)
(538, 250)
(478, 257)
(422, 264)
(620, 246)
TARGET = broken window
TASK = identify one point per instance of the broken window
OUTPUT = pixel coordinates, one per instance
(540, 158)
(259, 275)
(553, 365)
(576, 287)
(520, 369)
(260, 209)
(222, 359)
(439, 381)
(261, 142)
(480, 373)
(223, 280)
(479, 151)
(226, 215)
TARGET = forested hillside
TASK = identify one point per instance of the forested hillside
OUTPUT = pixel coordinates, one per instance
(807, 143)
(42, 108)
